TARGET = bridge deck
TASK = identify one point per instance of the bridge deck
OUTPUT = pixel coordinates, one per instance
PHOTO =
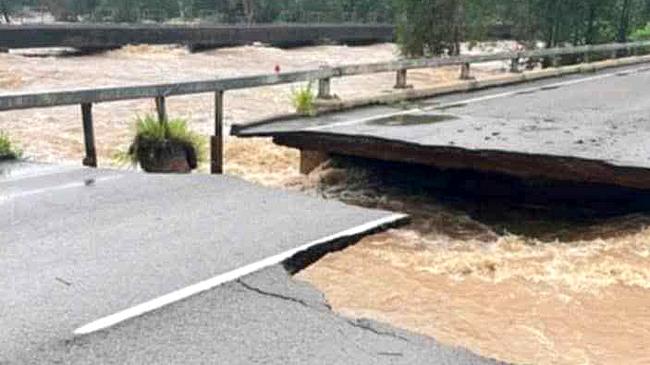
(587, 128)
(107, 36)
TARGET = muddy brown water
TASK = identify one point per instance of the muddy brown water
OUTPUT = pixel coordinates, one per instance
(488, 264)
(522, 271)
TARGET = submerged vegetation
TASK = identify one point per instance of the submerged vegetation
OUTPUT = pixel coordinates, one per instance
(8, 151)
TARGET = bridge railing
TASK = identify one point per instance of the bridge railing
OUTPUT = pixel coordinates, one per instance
(159, 92)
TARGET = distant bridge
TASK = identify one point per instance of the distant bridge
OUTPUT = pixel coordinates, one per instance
(100, 36)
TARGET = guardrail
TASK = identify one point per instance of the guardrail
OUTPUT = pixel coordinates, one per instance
(87, 97)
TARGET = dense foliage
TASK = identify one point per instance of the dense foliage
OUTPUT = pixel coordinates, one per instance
(437, 26)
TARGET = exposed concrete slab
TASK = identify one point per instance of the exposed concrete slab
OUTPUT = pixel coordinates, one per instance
(81, 244)
(591, 128)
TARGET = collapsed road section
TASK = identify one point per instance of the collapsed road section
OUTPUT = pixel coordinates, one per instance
(584, 128)
(88, 249)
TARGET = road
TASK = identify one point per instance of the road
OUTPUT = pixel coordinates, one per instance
(119, 267)
(586, 128)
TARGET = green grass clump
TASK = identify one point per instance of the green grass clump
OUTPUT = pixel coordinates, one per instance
(641, 34)
(8, 150)
(303, 100)
(149, 131)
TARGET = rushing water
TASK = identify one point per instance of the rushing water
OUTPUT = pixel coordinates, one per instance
(505, 270)
(489, 263)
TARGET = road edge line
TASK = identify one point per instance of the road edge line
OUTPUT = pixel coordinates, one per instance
(203, 286)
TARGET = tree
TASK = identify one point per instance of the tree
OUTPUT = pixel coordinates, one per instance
(430, 27)
(5, 9)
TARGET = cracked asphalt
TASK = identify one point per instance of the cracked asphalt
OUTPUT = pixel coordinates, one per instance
(80, 244)
(266, 318)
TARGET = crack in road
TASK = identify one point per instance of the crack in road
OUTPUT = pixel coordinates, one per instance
(273, 295)
(357, 323)
(364, 325)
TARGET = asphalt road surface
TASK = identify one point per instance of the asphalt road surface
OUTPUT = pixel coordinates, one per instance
(600, 117)
(266, 318)
(81, 245)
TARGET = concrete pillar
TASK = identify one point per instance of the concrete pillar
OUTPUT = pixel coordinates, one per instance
(310, 160)
(514, 65)
(216, 140)
(324, 88)
(465, 72)
(161, 109)
(400, 80)
(555, 61)
(89, 135)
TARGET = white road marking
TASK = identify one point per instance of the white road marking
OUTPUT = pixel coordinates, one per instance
(77, 184)
(472, 100)
(221, 279)
(45, 172)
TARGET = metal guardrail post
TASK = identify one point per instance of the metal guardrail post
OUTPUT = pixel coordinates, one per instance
(555, 61)
(161, 108)
(400, 80)
(324, 88)
(89, 135)
(465, 71)
(216, 141)
(514, 65)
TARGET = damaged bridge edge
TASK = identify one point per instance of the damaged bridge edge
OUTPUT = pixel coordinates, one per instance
(337, 105)
(292, 260)
(521, 164)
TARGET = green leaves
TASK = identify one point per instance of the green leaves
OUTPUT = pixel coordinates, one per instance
(7, 149)
(148, 130)
(435, 27)
(303, 100)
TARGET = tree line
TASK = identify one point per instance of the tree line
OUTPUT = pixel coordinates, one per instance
(425, 27)
(429, 27)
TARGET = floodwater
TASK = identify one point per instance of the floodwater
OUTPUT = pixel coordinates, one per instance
(507, 273)
(523, 280)
(59, 132)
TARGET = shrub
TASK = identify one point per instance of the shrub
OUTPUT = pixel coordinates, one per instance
(641, 34)
(303, 100)
(149, 131)
(8, 150)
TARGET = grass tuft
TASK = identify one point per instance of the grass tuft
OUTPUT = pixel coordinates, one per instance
(8, 151)
(303, 100)
(148, 131)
